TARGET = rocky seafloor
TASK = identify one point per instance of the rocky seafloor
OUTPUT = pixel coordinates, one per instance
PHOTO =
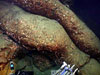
(38, 35)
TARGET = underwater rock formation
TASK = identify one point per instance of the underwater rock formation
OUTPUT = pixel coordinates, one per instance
(33, 31)
(42, 62)
(81, 35)
(7, 50)
(36, 58)
(91, 68)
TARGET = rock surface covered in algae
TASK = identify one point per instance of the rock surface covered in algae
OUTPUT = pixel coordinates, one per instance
(46, 36)
(32, 31)
(76, 29)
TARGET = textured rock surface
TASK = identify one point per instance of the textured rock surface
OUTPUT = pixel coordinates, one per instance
(47, 37)
(32, 31)
(91, 68)
(76, 29)
(7, 49)
(28, 65)
(41, 61)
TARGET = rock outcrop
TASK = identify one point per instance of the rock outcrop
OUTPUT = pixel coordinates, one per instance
(33, 31)
(82, 36)
(46, 36)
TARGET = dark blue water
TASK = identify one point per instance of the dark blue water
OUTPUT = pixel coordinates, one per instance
(89, 12)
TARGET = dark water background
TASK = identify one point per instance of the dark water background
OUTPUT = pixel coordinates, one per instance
(89, 12)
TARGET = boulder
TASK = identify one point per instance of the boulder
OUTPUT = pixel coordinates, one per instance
(47, 36)
(81, 35)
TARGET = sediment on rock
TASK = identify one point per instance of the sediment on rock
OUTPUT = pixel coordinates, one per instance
(81, 35)
(33, 31)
